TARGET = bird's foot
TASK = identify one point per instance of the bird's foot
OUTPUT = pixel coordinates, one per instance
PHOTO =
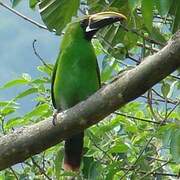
(55, 113)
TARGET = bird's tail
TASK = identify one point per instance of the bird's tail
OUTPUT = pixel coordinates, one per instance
(73, 152)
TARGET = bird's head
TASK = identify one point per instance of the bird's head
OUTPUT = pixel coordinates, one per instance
(90, 24)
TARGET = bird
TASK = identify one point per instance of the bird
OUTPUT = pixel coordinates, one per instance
(76, 74)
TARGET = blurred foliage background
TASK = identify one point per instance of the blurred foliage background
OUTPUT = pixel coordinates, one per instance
(140, 140)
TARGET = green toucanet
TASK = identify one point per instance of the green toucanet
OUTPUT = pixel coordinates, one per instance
(76, 74)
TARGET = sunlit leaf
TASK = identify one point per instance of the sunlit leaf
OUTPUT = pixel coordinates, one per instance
(15, 122)
(118, 147)
(57, 13)
(165, 88)
(8, 110)
(32, 3)
(26, 93)
(163, 6)
(175, 146)
(172, 89)
(5, 103)
(46, 69)
(14, 83)
(147, 13)
(38, 111)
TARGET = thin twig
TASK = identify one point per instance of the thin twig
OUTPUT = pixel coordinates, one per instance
(153, 173)
(175, 77)
(121, 62)
(139, 156)
(147, 47)
(149, 98)
(154, 170)
(132, 58)
(23, 16)
(105, 153)
(14, 173)
(158, 94)
(161, 160)
(176, 105)
(140, 171)
(136, 118)
(161, 100)
(39, 57)
(40, 169)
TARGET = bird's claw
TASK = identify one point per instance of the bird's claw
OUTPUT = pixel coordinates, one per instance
(55, 117)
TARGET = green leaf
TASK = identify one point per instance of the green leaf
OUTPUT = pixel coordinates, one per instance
(14, 122)
(166, 132)
(117, 41)
(45, 69)
(133, 4)
(119, 147)
(97, 46)
(26, 76)
(109, 126)
(172, 89)
(87, 161)
(147, 13)
(40, 81)
(15, 3)
(5, 103)
(58, 162)
(14, 83)
(32, 3)
(163, 6)
(156, 34)
(175, 146)
(131, 128)
(57, 13)
(176, 23)
(38, 111)
(107, 69)
(165, 88)
(26, 93)
(94, 170)
(112, 169)
(8, 110)
(110, 39)
(96, 5)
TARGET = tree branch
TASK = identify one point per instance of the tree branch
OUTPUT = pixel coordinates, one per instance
(25, 142)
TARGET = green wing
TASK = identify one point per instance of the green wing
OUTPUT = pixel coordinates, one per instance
(53, 80)
(52, 83)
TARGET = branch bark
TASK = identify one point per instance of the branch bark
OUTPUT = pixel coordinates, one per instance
(25, 142)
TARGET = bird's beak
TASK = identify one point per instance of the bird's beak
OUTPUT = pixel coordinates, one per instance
(100, 20)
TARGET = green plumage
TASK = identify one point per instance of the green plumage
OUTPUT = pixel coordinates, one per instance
(75, 77)
(76, 74)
